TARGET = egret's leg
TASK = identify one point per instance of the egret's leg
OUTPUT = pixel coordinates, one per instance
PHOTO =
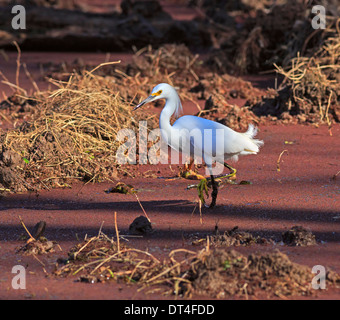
(232, 171)
(214, 192)
(202, 188)
(215, 186)
(191, 163)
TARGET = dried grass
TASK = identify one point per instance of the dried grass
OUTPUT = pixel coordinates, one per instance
(210, 272)
(102, 258)
(71, 135)
(314, 81)
(310, 91)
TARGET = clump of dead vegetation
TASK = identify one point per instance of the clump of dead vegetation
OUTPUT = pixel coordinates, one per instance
(310, 89)
(210, 272)
(72, 134)
(100, 258)
(37, 244)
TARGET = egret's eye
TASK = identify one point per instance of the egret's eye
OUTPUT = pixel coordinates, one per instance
(157, 93)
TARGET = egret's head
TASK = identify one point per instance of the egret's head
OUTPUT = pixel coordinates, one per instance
(161, 91)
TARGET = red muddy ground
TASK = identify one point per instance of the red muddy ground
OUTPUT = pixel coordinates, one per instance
(302, 193)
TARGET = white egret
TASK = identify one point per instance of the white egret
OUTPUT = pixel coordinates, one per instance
(222, 144)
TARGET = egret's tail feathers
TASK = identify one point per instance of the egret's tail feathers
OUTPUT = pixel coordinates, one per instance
(251, 133)
(258, 142)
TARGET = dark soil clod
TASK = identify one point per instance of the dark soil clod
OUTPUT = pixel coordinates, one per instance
(140, 226)
(298, 236)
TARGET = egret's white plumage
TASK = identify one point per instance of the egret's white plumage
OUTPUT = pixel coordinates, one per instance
(234, 143)
(179, 137)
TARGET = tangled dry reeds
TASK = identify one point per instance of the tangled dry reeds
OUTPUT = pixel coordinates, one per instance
(72, 134)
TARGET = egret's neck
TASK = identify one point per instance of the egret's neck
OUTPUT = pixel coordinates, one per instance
(172, 105)
(164, 119)
(169, 109)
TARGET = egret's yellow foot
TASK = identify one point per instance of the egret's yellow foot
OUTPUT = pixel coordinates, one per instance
(230, 178)
(191, 175)
(187, 173)
(213, 182)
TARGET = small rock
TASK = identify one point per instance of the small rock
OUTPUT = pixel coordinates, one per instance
(140, 225)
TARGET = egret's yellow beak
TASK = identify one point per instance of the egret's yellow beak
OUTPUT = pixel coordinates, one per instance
(147, 100)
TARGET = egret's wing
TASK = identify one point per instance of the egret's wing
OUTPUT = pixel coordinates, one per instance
(241, 143)
(217, 139)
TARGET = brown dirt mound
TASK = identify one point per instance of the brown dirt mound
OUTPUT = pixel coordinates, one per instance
(298, 236)
(233, 237)
(9, 160)
(228, 273)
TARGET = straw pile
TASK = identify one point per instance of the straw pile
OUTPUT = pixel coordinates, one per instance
(72, 135)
